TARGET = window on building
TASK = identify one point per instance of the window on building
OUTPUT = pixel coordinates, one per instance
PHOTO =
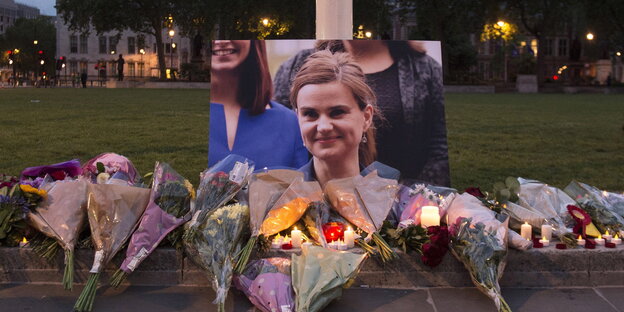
(84, 44)
(102, 44)
(131, 45)
(84, 67)
(548, 47)
(141, 69)
(563, 47)
(113, 68)
(131, 72)
(73, 44)
(112, 44)
(73, 67)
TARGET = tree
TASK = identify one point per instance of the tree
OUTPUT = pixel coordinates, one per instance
(141, 16)
(20, 39)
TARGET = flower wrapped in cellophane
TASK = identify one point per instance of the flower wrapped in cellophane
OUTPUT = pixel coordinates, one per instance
(13, 209)
(365, 202)
(106, 165)
(170, 201)
(265, 188)
(61, 216)
(113, 212)
(320, 274)
(267, 284)
(593, 201)
(217, 186)
(411, 200)
(219, 238)
(540, 204)
(483, 251)
(34, 176)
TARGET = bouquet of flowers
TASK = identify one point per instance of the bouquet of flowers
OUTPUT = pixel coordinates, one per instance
(265, 189)
(219, 238)
(592, 201)
(34, 176)
(483, 251)
(365, 202)
(61, 216)
(13, 207)
(267, 284)
(320, 274)
(106, 165)
(168, 208)
(217, 186)
(411, 200)
(113, 212)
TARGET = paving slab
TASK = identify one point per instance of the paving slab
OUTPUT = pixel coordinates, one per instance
(556, 299)
(613, 295)
(461, 299)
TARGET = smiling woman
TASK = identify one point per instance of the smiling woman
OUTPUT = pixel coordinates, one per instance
(335, 108)
(243, 120)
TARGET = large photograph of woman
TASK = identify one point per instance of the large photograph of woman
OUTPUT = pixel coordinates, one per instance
(404, 125)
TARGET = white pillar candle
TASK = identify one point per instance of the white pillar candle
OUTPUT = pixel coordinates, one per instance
(526, 231)
(544, 241)
(349, 237)
(616, 240)
(334, 19)
(296, 238)
(607, 236)
(600, 240)
(430, 216)
(546, 232)
(580, 241)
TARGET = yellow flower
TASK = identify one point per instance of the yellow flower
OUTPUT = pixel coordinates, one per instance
(190, 188)
(29, 189)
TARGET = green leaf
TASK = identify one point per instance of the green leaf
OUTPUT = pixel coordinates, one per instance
(100, 167)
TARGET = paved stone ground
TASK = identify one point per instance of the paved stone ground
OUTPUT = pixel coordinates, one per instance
(52, 298)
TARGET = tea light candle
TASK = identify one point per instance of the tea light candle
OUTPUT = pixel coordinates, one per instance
(430, 216)
(23, 243)
(607, 236)
(544, 241)
(600, 240)
(526, 231)
(296, 238)
(616, 240)
(547, 232)
(580, 241)
(349, 238)
(276, 243)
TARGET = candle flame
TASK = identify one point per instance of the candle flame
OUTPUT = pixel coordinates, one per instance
(599, 236)
(616, 236)
(527, 223)
(607, 232)
(24, 240)
(295, 228)
(349, 228)
(604, 193)
(543, 237)
(580, 237)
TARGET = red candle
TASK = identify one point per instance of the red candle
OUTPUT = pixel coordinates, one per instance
(333, 231)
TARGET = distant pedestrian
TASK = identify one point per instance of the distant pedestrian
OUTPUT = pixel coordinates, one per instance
(120, 67)
(609, 80)
(83, 79)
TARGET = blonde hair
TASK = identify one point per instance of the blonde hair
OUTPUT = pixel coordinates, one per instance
(326, 67)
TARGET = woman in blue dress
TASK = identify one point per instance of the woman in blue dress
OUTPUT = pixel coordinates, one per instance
(243, 120)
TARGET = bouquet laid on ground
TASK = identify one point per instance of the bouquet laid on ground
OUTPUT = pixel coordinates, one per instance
(267, 284)
(34, 176)
(365, 202)
(61, 216)
(592, 201)
(483, 251)
(217, 186)
(107, 165)
(113, 212)
(320, 274)
(13, 209)
(540, 204)
(219, 238)
(168, 208)
(265, 189)
(408, 208)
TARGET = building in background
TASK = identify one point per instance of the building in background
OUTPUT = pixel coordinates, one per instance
(10, 11)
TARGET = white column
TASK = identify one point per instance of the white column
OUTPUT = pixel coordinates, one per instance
(334, 19)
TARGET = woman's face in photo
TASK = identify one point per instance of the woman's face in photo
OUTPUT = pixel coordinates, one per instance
(331, 121)
(229, 54)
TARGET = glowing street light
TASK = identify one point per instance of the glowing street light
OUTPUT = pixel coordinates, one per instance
(500, 23)
(112, 51)
(171, 47)
(368, 34)
(35, 42)
(171, 33)
(142, 51)
(618, 53)
(590, 36)
(42, 62)
(265, 21)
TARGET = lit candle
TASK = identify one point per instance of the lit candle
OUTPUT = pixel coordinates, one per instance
(547, 232)
(430, 216)
(526, 231)
(616, 240)
(600, 240)
(580, 241)
(286, 240)
(607, 236)
(23, 243)
(544, 241)
(276, 243)
(296, 238)
(349, 237)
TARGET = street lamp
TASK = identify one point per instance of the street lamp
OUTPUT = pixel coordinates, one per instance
(618, 53)
(35, 42)
(589, 36)
(368, 34)
(142, 52)
(265, 21)
(171, 34)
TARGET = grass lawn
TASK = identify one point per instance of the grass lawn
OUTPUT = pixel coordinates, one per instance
(550, 137)
(44, 126)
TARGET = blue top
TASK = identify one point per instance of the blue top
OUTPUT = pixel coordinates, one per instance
(383, 171)
(271, 139)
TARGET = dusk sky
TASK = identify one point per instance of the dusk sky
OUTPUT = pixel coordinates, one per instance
(46, 6)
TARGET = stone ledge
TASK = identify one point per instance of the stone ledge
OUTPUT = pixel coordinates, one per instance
(546, 267)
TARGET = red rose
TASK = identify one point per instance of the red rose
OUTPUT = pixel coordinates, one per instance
(58, 175)
(475, 191)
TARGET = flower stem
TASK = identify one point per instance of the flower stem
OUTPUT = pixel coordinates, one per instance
(118, 278)
(68, 275)
(87, 296)
(244, 254)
